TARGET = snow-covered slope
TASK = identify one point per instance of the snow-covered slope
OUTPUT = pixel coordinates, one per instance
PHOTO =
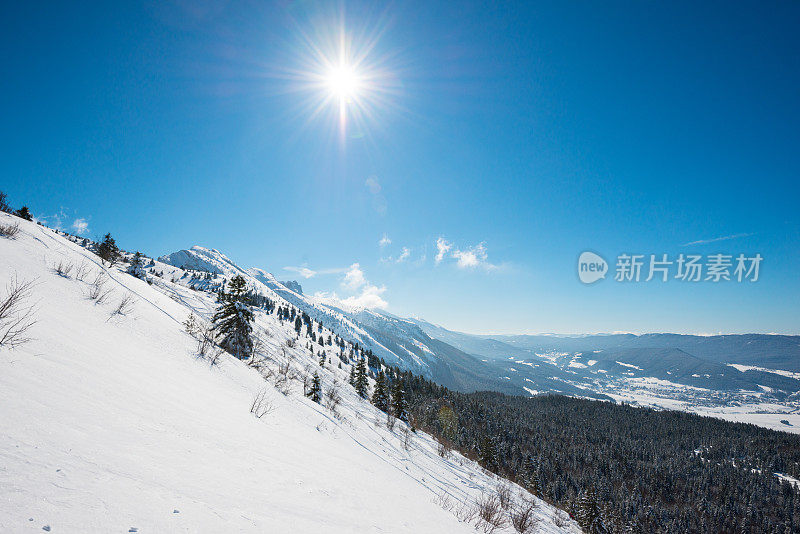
(112, 423)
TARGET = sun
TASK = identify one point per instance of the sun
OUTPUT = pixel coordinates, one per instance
(344, 76)
(343, 82)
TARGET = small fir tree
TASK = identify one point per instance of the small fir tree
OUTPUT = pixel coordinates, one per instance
(399, 405)
(24, 213)
(361, 379)
(232, 321)
(315, 393)
(380, 397)
(108, 250)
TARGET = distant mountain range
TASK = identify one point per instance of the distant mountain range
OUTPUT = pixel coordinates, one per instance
(701, 369)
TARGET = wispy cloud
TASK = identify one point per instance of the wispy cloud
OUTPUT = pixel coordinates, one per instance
(716, 239)
(385, 241)
(404, 255)
(472, 257)
(306, 272)
(442, 247)
(60, 220)
(375, 189)
(80, 226)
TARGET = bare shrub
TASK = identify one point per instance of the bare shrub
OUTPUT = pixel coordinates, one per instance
(97, 291)
(63, 268)
(504, 495)
(191, 326)
(283, 377)
(443, 450)
(16, 316)
(523, 517)
(333, 398)
(390, 422)
(489, 514)
(559, 519)
(466, 513)
(405, 434)
(290, 343)
(444, 501)
(258, 358)
(124, 307)
(9, 230)
(207, 347)
(81, 271)
(261, 405)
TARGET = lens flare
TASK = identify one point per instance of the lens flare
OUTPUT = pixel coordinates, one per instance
(341, 77)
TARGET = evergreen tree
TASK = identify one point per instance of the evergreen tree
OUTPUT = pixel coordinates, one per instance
(24, 213)
(135, 267)
(232, 321)
(108, 250)
(399, 405)
(487, 452)
(588, 511)
(352, 379)
(322, 360)
(4, 207)
(361, 379)
(448, 422)
(315, 393)
(380, 397)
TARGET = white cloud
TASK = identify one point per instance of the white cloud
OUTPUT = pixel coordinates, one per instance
(385, 241)
(472, 257)
(468, 258)
(366, 295)
(404, 254)
(442, 247)
(305, 272)
(354, 277)
(370, 297)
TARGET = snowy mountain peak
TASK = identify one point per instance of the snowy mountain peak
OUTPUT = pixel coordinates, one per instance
(200, 258)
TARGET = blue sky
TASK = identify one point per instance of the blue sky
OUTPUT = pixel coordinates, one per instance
(517, 135)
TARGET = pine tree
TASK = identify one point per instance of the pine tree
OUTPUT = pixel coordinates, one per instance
(487, 452)
(322, 360)
(24, 213)
(588, 511)
(108, 250)
(232, 321)
(352, 379)
(380, 397)
(135, 267)
(361, 379)
(4, 207)
(315, 393)
(399, 405)
(448, 422)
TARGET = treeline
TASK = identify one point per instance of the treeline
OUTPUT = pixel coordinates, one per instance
(616, 468)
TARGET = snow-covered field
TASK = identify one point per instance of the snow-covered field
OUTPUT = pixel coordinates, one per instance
(110, 423)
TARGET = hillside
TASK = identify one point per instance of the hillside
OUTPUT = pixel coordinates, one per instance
(112, 422)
